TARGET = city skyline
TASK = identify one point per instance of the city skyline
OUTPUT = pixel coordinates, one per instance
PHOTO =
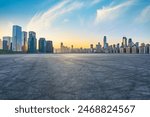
(75, 22)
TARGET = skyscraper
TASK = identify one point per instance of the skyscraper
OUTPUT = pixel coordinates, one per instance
(17, 38)
(91, 48)
(137, 44)
(24, 41)
(7, 43)
(124, 41)
(42, 45)
(32, 42)
(98, 48)
(105, 42)
(130, 43)
(49, 47)
(142, 48)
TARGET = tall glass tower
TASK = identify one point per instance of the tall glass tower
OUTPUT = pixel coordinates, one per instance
(42, 45)
(49, 47)
(24, 41)
(17, 38)
(32, 42)
(105, 42)
(124, 41)
(7, 40)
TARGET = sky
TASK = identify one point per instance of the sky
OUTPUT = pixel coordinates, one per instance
(78, 22)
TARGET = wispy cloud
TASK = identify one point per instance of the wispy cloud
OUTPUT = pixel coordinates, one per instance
(95, 2)
(66, 20)
(112, 12)
(144, 16)
(44, 20)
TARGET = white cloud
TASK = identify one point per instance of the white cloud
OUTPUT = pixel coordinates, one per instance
(65, 20)
(144, 16)
(44, 20)
(95, 2)
(112, 12)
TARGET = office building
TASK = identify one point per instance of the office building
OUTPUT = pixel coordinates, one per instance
(32, 42)
(147, 49)
(105, 42)
(122, 50)
(49, 47)
(63, 49)
(142, 49)
(42, 45)
(130, 43)
(114, 49)
(128, 50)
(110, 48)
(135, 49)
(24, 41)
(98, 48)
(137, 44)
(17, 38)
(92, 48)
(117, 48)
(124, 42)
(6, 43)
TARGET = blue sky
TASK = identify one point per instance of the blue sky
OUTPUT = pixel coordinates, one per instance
(78, 22)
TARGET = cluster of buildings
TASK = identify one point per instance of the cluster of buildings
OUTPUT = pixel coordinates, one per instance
(127, 46)
(21, 41)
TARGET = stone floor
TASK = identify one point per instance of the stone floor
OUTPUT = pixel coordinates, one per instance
(75, 76)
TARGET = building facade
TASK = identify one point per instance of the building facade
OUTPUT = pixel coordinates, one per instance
(128, 50)
(17, 38)
(147, 49)
(124, 42)
(32, 42)
(105, 42)
(7, 43)
(42, 45)
(98, 48)
(24, 41)
(135, 50)
(49, 47)
(142, 49)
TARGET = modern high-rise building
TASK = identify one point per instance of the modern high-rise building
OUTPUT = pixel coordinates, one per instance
(5, 47)
(118, 48)
(142, 49)
(7, 42)
(17, 38)
(91, 48)
(24, 41)
(42, 45)
(98, 48)
(147, 49)
(130, 43)
(105, 42)
(135, 50)
(32, 42)
(137, 44)
(49, 47)
(124, 42)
